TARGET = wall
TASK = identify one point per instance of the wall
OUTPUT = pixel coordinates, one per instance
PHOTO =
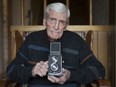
(1, 40)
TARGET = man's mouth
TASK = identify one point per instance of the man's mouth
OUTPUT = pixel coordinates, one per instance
(54, 32)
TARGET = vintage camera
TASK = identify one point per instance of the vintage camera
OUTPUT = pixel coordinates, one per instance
(55, 59)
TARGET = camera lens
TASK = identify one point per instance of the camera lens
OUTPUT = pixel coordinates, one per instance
(54, 67)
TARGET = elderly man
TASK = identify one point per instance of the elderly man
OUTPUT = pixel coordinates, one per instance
(79, 65)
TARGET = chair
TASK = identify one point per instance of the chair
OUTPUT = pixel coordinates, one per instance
(20, 32)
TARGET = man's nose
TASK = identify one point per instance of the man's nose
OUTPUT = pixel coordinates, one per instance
(56, 25)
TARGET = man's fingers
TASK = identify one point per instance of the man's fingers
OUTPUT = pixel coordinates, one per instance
(41, 68)
(53, 79)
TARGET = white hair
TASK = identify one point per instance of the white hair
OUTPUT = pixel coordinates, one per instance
(58, 7)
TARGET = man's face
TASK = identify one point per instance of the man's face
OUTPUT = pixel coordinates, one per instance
(55, 24)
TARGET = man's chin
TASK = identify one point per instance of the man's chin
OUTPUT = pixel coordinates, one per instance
(54, 38)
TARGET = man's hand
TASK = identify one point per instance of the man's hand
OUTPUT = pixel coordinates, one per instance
(62, 79)
(41, 69)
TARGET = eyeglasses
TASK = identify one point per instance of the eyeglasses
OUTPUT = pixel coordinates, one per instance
(54, 21)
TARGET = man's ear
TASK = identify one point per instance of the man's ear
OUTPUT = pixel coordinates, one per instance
(44, 22)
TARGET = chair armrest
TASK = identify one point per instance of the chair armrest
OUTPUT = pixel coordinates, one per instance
(100, 83)
(10, 83)
(104, 83)
(2, 83)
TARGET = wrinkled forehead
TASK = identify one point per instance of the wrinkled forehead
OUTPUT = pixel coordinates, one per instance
(57, 13)
(58, 9)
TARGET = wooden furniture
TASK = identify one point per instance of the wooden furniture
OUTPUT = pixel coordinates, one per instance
(20, 32)
(23, 29)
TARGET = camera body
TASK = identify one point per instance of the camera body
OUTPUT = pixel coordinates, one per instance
(55, 59)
